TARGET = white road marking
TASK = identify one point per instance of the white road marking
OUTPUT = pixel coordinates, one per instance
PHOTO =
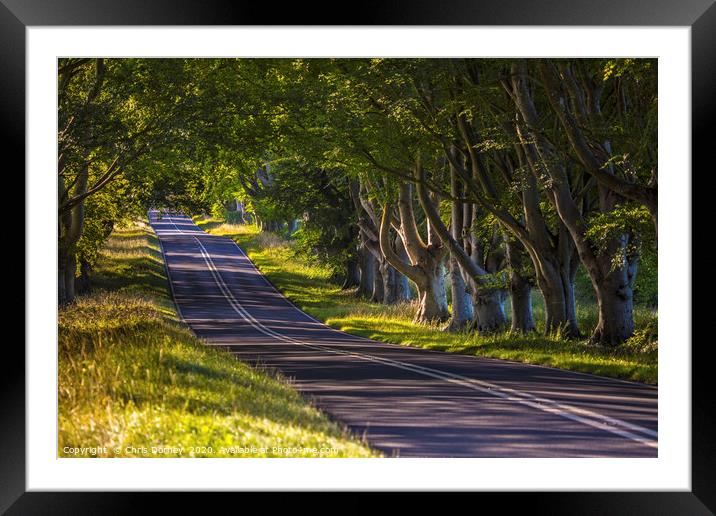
(587, 417)
(564, 371)
(169, 276)
(173, 224)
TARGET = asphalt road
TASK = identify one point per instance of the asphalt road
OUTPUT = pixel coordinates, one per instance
(408, 402)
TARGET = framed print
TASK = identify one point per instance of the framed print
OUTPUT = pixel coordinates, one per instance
(666, 51)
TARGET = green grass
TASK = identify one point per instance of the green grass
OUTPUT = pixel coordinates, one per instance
(133, 377)
(307, 284)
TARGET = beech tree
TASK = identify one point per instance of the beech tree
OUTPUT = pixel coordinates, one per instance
(484, 177)
(145, 120)
(425, 257)
(612, 282)
(576, 92)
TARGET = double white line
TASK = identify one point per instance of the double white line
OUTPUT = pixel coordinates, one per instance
(616, 426)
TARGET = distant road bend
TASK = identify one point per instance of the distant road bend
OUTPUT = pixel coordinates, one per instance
(408, 402)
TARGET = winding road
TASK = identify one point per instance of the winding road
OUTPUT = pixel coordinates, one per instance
(407, 402)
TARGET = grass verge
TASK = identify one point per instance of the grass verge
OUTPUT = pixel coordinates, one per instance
(135, 382)
(307, 284)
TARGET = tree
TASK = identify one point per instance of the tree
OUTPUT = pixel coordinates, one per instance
(125, 118)
(498, 175)
(575, 92)
(612, 283)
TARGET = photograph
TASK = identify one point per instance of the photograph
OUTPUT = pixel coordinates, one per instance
(414, 250)
(357, 257)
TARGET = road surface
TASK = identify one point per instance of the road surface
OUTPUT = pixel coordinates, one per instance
(407, 402)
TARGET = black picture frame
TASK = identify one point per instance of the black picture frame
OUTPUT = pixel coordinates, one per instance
(700, 15)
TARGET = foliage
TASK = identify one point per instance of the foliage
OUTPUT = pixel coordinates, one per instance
(308, 285)
(646, 286)
(131, 375)
(634, 222)
(625, 219)
(309, 139)
(645, 339)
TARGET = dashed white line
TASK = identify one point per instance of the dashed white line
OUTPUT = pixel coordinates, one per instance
(587, 417)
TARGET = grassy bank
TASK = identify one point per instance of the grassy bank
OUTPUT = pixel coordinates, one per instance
(132, 377)
(307, 284)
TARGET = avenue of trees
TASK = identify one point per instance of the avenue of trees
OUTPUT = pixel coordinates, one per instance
(457, 183)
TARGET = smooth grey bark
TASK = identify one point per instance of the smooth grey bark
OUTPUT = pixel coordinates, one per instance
(241, 208)
(522, 320)
(395, 285)
(489, 309)
(555, 269)
(612, 282)
(463, 311)
(432, 297)
(367, 272)
(615, 294)
(377, 296)
(424, 265)
(292, 226)
(551, 254)
(402, 285)
(488, 302)
(269, 226)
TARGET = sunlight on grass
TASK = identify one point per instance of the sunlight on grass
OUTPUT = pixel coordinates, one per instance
(307, 285)
(131, 376)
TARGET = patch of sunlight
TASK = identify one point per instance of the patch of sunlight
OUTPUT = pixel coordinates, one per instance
(131, 376)
(307, 284)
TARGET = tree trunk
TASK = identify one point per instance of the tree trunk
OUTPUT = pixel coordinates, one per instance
(520, 289)
(378, 295)
(402, 288)
(462, 306)
(71, 210)
(616, 323)
(432, 298)
(61, 274)
(82, 283)
(611, 284)
(570, 301)
(521, 307)
(270, 226)
(463, 311)
(292, 226)
(424, 266)
(70, 292)
(387, 276)
(584, 149)
(547, 251)
(395, 284)
(615, 296)
(367, 273)
(352, 273)
(489, 309)
(71, 224)
(488, 303)
(242, 211)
